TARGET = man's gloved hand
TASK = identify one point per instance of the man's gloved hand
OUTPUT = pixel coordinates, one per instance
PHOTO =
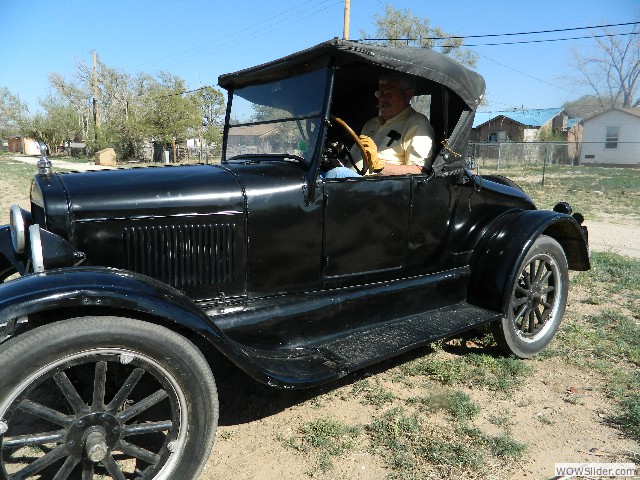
(374, 164)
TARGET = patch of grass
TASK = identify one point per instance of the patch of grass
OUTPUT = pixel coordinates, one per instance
(372, 393)
(503, 446)
(500, 446)
(629, 417)
(610, 337)
(413, 448)
(612, 275)
(407, 447)
(474, 370)
(600, 341)
(457, 404)
(327, 438)
(626, 390)
(503, 421)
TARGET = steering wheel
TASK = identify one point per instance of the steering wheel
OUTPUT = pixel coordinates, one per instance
(349, 131)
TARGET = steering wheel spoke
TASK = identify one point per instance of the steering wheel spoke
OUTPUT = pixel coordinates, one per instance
(344, 152)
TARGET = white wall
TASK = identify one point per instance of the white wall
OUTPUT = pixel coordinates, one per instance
(594, 135)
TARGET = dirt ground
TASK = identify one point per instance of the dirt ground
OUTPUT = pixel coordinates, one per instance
(553, 428)
(559, 414)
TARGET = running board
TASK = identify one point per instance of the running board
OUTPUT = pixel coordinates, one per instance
(314, 365)
(360, 349)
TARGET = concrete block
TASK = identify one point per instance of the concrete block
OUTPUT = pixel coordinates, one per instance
(106, 157)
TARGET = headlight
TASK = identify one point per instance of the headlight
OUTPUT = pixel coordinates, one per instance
(19, 219)
(563, 207)
(50, 251)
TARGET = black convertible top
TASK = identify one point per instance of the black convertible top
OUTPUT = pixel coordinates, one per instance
(421, 62)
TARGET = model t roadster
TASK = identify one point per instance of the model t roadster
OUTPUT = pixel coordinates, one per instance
(116, 282)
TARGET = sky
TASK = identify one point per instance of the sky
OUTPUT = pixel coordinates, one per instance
(198, 40)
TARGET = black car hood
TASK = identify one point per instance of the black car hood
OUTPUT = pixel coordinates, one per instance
(421, 62)
(152, 192)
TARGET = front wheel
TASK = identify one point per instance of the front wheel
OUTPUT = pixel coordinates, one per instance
(98, 397)
(536, 300)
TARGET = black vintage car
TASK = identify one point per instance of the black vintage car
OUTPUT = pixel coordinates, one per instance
(113, 277)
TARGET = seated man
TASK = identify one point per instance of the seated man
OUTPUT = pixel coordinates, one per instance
(401, 138)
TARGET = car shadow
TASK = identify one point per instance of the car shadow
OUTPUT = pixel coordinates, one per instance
(243, 399)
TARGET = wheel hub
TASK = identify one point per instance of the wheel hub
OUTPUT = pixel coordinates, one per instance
(94, 434)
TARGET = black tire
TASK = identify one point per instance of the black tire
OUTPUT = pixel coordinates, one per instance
(105, 396)
(535, 301)
(8, 274)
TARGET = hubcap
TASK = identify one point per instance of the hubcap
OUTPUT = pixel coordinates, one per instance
(534, 299)
(95, 434)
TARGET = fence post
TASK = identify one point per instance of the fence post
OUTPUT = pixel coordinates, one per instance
(544, 164)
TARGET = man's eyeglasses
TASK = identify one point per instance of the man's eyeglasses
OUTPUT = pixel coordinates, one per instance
(387, 93)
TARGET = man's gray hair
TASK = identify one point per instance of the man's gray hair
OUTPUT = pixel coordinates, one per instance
(404, 81)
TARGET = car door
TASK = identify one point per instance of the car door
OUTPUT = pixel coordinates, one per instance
(366, 221)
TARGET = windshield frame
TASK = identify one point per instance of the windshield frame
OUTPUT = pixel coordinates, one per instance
(321, 116)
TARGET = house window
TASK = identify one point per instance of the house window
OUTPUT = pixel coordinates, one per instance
(612, 137)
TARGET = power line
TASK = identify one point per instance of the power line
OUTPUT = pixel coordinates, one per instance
(528, 75)
(518, 42)
(522, 42)
(533, 32)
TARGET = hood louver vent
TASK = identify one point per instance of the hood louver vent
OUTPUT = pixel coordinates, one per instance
(182, 255)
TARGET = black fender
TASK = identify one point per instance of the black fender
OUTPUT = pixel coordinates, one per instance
(505, 244)
(117, 290)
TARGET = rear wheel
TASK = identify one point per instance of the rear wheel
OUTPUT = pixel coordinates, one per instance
(98, 397)
(536, 302)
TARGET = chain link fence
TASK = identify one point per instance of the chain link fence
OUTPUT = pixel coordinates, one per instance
(497, 155)
(552, 171)
(156, 153)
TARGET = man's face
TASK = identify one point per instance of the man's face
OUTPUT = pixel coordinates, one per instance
(392, 98)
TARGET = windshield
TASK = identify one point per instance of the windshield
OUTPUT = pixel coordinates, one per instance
(277, 118)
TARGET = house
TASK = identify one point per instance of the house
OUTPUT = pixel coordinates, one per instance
(525, 125)
(246, 139)
(612, 138)
(28, 146)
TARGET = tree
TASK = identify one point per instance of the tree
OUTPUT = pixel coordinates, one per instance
(170, 114)
(119, 105)
(403, 28)
(586, 106)
(12, 114)
(212, 107)
(611, 69)
(59, 123)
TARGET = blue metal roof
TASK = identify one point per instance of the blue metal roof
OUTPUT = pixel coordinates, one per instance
(532, 117)
(573, 121)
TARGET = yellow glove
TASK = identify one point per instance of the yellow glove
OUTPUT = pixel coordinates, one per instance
(374, 164)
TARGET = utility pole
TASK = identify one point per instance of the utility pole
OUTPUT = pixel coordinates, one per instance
(96, 116)
(347, 17)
